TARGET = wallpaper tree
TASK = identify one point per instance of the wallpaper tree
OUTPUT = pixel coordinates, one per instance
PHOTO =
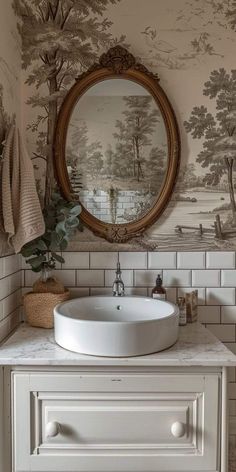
(219, 131)
(188, 178)
(135, 131)
(59, 39)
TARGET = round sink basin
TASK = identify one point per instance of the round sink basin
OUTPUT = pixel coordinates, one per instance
(116, 326)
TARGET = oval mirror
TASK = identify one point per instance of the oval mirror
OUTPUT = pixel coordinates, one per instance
(117, 147)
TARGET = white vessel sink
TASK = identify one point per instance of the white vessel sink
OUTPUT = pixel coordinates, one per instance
(116, 326)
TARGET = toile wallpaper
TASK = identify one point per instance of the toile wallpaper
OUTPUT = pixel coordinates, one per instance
(191, 45)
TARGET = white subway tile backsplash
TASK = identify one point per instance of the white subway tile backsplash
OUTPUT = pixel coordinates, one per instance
(226, 333)
(231, 374)
(162, 260)
(4, 329)
(145, 278)
(206, 278)
(127, 277)
(1, 267)
(220, 296)
(14, 319)
(171, 294)
(232, 390)
(76, 292)
(76, 260)
(90, 278)
(232, 407)
(1, 310)
(10, 293)
(231, 347)
(133, 260)
(209, 314)
(191, 260)
(220, 260)
(30, 277)
(103, 260)
(9, 323)
(22, 278)
(4, 288)
(100, 291)
(15, 281)
(24, 265)
(175, 278)
(11, 264)
(228, 314)
(136, 291)
(181, 291)
(66, 276)
(11, 302)
(10, 284)
(228, 278)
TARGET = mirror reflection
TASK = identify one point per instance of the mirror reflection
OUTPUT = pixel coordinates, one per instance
(117, 150)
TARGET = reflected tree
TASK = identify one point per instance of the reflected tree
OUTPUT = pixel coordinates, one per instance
(156, 164)
(84, 157)
(135, 131)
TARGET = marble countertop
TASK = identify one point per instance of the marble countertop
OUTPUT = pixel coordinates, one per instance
(35, 346)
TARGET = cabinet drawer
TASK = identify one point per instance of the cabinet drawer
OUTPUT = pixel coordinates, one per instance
(111, 423)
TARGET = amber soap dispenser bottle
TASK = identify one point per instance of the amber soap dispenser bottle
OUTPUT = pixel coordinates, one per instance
(159, 291)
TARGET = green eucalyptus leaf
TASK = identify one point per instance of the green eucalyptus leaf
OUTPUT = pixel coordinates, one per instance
(55, 241)
(63, 245)
(60, 227)
(61, 234)
(36, 261)
(58, 257)
(76, 210)
(72, 222)
(47, 237)
(27, 251)
(61, 220)
(37, 269)
(41, 245)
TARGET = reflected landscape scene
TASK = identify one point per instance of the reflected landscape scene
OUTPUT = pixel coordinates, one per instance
(117, 150)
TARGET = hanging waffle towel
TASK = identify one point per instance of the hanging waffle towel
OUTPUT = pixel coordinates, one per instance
(21, 210)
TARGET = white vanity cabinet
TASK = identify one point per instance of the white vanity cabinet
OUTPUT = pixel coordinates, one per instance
(66, 412)
(113, 422)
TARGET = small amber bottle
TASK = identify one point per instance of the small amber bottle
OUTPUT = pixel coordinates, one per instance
(158, 291)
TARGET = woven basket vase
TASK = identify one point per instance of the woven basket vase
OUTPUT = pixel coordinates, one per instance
(39, 307)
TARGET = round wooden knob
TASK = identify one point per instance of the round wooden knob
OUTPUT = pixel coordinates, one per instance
(178, 429)
(52, 429)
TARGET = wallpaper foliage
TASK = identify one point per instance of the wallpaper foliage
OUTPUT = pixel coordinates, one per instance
(191, 45)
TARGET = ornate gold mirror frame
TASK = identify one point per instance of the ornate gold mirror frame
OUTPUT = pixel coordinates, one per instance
(118, 63)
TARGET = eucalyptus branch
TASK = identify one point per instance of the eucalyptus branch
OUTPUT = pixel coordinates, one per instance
(61, 220)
